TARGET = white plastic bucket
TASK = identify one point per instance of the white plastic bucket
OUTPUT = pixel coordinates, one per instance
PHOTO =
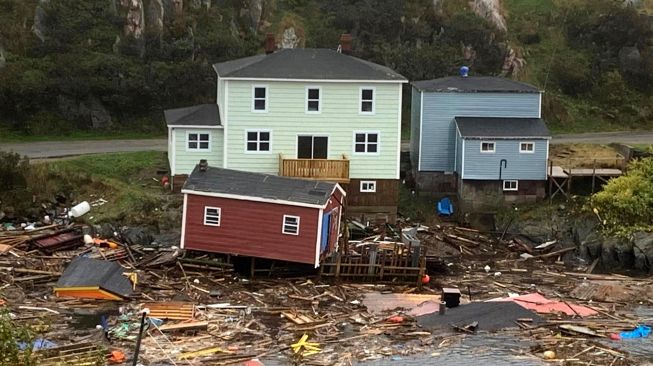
(80, 210)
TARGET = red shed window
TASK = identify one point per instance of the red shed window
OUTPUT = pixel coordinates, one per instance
(212, 216)
(290, 225)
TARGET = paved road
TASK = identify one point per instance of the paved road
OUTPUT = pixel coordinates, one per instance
(630, 137)
(55, 149)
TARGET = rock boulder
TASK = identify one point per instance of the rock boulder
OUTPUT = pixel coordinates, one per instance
(643, 251)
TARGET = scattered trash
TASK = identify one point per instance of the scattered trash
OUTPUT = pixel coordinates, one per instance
(94, 279)
(642, 331)
(541, 304)
(306, 348)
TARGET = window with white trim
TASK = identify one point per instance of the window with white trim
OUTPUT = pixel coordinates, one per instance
(198, 141)
(313, 99)
(527, 147)
(368, 186)
(366, 142)
(488, 147)
(510, 185)
(259, 99)
(258, 141)
(290, 225)
(367, 100)
(212, 216)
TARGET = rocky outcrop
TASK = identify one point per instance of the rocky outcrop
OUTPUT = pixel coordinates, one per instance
(630, 59)
(289, 38)
(38, 27)
(90, 111)
(3, 59)
(134, 28)
(154, 15)
(643, 251)
(617, 253)
(490, 10)
(253, 12)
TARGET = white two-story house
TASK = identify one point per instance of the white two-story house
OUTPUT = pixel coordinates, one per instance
(309, 113)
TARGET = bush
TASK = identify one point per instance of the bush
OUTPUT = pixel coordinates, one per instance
(12, 171)
(11, 334)
(626, 203)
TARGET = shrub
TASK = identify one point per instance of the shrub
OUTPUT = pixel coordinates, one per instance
(11, 334)
(626, 203)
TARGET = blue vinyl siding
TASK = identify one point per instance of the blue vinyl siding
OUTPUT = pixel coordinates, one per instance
(415, 112)
(437, 150)
(520, 166)
(459, 153)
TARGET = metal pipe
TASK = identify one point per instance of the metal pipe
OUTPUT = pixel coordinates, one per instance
(140, 336)
(503, 163)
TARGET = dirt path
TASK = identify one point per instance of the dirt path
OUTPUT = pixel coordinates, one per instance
(56, 149)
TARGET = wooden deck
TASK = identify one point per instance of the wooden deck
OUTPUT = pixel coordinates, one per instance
(560, 178)
(318, 169)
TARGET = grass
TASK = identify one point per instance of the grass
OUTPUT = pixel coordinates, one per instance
(8, 136)
(129, 182)
(584, 155)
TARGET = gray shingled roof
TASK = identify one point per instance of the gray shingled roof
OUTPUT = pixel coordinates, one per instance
(306, 63)
(236, 182)
(474, 84)
(87, 272)
(197, 115)
(484, 127)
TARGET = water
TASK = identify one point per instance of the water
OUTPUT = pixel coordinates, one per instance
(483, 349)
(471, 351)
(641, 348)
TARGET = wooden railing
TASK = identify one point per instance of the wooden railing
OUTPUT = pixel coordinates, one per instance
(318, 169)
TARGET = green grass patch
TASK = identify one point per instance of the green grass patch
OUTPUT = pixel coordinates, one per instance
(130, 183)
(417, 208)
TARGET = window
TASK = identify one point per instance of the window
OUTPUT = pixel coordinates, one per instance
(367, 100)
(366, 142)
(313, 100)
(259, 99)
(368, 186)
(312, 147)
(258, 141)
(290, 225)
(487, 147)
(527, 147)
(198, 141)
(509, 185)
(212, 216)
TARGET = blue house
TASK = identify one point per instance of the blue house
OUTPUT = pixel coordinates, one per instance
(480, 137)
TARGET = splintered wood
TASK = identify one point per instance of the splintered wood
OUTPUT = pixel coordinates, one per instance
(170, 310)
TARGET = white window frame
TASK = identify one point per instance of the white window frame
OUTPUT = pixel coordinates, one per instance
(283, 224)
(197, 149)
(510, 189)
(206, 214)
(258, 142)
(521, 147)
(266, 99)
(360, 100)
(319, 100)
(494, 147)
(368, 186)
(378, 142)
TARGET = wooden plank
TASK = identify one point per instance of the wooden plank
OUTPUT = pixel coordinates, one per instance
(184, 326)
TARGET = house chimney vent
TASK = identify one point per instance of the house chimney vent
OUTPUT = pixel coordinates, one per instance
(203, 165)
(464, 71)
(345, 43)
(270, 43)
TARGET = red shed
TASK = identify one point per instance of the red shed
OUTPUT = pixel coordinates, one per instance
(260, 215)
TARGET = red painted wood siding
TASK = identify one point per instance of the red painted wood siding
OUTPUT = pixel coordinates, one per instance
(335, 206)
(251, 229)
